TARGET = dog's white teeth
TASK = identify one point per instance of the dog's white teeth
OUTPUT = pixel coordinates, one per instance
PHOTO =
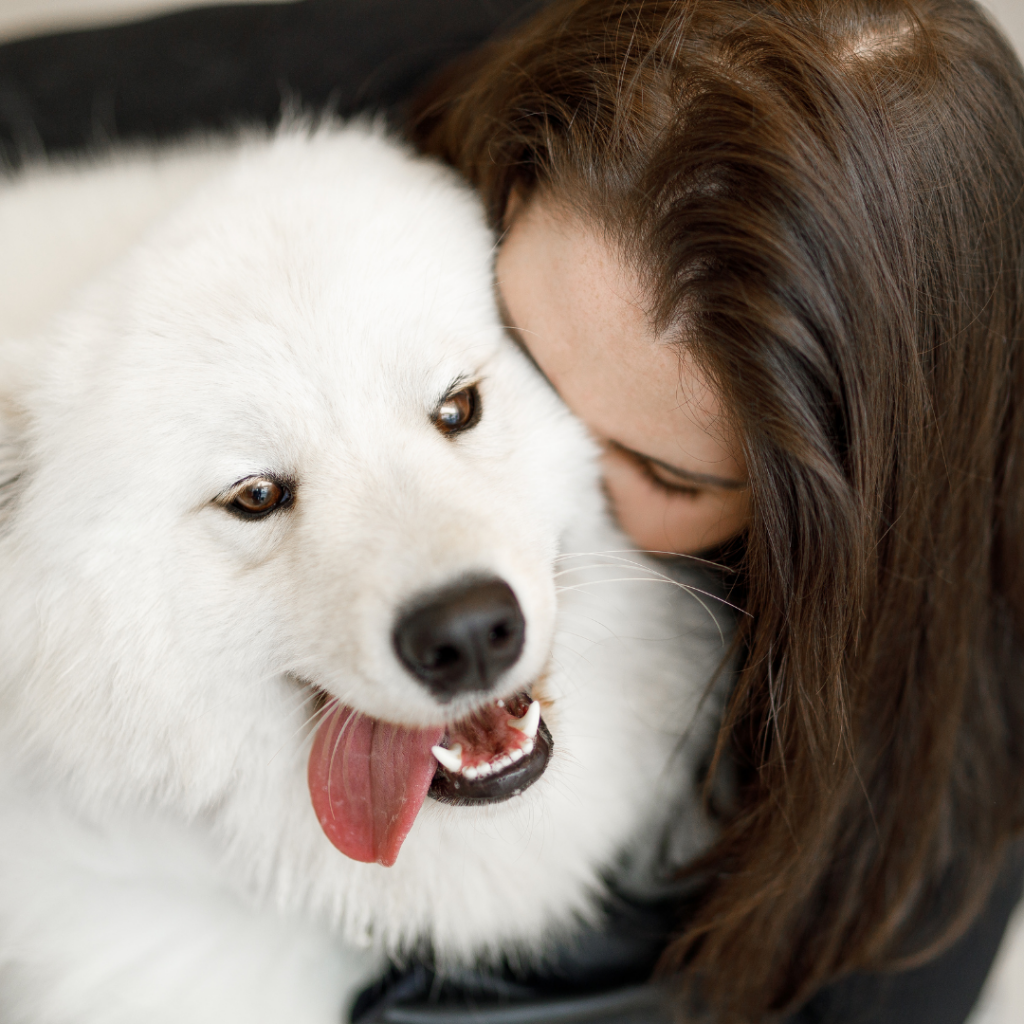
(451, 758)
(528, 724)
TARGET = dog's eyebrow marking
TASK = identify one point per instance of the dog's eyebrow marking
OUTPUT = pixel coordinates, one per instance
(462, 381)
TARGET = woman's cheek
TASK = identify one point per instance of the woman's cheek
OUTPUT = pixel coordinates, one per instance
(660, 520)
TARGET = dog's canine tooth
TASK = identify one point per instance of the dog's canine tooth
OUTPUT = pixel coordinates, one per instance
(528, 747)
(529, 723)
(451, 757)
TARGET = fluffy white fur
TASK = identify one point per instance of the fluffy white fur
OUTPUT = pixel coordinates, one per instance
(298, 306)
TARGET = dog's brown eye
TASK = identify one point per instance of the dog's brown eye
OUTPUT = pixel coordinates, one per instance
(458, 411)
(258, 496)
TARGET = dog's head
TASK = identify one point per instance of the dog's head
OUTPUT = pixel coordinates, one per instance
(281, 532)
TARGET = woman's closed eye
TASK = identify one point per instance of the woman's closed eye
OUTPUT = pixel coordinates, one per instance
(665, 480)
(675, 481)
(663, 510)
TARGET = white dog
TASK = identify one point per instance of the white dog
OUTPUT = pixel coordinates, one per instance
(306, 656)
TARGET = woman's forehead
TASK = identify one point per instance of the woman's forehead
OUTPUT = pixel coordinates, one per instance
(579, 309)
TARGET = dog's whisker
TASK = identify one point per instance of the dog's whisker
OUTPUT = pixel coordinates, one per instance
(613, 561)
(581, 568)
(616, 560)
(688, 588)
(645, 551)
(612, 567)
(301, 700)
(316, 718)
(697, 594)
(349, 723)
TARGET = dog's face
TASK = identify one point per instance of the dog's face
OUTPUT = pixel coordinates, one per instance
(283, 469)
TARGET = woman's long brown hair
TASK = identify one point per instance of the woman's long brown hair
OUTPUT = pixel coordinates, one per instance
(825, 199)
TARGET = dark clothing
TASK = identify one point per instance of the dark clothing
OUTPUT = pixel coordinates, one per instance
(600, 980)
(217, 68)
(943, 991)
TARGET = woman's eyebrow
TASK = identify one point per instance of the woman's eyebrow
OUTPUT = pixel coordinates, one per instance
(705, 479)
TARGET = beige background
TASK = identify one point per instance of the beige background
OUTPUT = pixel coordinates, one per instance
(1011, 14)
(1004, 1002)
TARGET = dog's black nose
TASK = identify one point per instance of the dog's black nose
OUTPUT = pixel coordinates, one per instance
(461, 639)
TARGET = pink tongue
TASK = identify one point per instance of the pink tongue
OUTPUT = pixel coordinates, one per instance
(368, 780)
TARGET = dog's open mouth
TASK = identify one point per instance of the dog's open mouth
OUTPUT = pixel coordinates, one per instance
(492, 755)
(368, 779)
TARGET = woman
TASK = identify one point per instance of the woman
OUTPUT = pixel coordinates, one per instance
(772, 254)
